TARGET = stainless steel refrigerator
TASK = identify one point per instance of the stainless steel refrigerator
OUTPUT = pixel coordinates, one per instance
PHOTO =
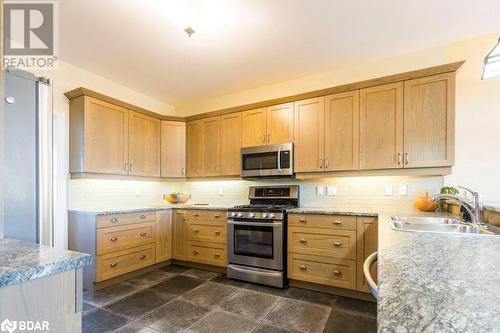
(27, 163)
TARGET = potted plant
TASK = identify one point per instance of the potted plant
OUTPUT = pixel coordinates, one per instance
(449, 206)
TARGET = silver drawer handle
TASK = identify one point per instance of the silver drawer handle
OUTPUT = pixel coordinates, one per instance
(303, 240)
(142, 257)
(114, 220)
(217, 233)
(196, 252)
(337, 222)
(303, 267)
(195, 214)
(113, 264)
(143, 217)
(337, 273)
(216, 215)
(142, 234)
(114, 239)
(196, 230)
(337, 244)
(303, 221)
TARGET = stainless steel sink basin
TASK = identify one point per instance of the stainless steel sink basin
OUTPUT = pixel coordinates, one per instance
(436, 224)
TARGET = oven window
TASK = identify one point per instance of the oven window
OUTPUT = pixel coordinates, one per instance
(260, 161)
(254, 241)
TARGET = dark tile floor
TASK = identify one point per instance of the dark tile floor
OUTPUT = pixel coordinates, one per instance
(181, 299)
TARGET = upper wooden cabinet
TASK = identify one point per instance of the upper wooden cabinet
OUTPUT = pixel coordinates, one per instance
(173, 149)
(144, 145)
(254, 127)
(194, 140)
(429, 121)
(381, 126)
(309, 135)
(280, 123)
(98, 137)
(342, 131)
(231, 141)
(211, 146)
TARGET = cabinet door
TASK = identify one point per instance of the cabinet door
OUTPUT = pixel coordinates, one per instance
(163, 235)
(309, 135)
(179, 236)
(173, 149)
(211, 146)
(342, 131)
(144, 145)
(429, 121)
(381, 127)
(254, 127)
(105, 137)
(367, 243)
(280, 123)
(231, 138)
(194, 148)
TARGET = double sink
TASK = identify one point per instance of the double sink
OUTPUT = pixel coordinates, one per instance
(437, 224)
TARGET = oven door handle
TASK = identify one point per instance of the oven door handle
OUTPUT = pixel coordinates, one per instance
(257, 224)
(279, 159)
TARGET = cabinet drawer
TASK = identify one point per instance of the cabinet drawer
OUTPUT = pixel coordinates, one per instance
(322, 242)
(122, 262)
(323, 221)
(207, 253)
(126, 236)
(104, 221)
(206, 233)
(322, 270)
(209, 215)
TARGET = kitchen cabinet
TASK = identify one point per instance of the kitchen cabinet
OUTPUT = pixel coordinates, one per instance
(381, 127)
(179, 235)
(144, 145)
(366, 243)
(309, 135)
(164, 235)
(280, 123)
(211, 146)
(429, 121)
(231, 142)
(342, 131)
(173, 149)
(194, 140)
(98, 137)
(254, 127)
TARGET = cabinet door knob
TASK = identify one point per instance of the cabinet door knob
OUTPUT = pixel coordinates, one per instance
(337, 222)
(142, 257)
(337, 244)
(143, 217)
(216, 215)
(337, 273)
(142, 234)
(303, 267)
(217, 233)
(113, 264)
(196, 230)
(196, 214)
(196, 252)
(114, 220)
(217, 255)
(303, 240)
(114, 239)
(303, 221)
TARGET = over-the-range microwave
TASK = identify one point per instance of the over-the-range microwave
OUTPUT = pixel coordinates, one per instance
(270, 161)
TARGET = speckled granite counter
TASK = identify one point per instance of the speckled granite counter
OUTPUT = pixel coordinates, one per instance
(327, 211)
(21, 261)
(104, 211)
(430, 282)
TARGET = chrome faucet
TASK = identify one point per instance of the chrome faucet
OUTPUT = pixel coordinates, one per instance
(474, 208)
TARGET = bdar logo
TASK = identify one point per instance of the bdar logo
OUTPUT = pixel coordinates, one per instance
(9, 326)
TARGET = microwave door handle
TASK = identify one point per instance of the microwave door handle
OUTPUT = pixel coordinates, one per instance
(279, 159)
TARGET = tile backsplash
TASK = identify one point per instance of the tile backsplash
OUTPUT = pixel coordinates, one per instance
(356, 193)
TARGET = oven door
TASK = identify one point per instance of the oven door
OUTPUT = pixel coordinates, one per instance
(267, 161)
(257, 244)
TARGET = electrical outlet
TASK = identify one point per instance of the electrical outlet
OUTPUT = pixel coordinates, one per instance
(138, 192)
(403, 189)
(331, 190)
(389, 190)
(221, 191)
(320, 190)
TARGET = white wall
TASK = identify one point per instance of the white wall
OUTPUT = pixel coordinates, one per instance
(477, 105)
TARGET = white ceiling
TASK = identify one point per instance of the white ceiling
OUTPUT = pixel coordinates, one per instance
(252, 43)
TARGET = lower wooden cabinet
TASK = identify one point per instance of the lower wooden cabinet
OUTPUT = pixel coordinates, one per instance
(163, 235)
(179, 238)
(207, 253)
(367, 243)
(123, 237)
(121, 262)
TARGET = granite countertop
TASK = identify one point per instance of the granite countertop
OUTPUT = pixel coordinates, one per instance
(21, 261)
(123, 210)
(435, 282)
(327, 211)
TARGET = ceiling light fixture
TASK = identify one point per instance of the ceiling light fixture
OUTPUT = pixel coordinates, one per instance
(491, 65)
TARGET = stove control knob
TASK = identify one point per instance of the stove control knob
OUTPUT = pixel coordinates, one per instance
(233, 214)
(271, 216)
(264, 215)
(251, 215)
(239, 215)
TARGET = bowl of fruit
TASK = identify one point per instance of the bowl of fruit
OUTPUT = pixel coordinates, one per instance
(176, 197)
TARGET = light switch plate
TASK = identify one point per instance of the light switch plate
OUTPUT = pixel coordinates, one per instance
(331, 190)
(320, 190)
(403, 189)
(389, 190)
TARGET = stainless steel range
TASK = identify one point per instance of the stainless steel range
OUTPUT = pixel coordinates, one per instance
(257, 235)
